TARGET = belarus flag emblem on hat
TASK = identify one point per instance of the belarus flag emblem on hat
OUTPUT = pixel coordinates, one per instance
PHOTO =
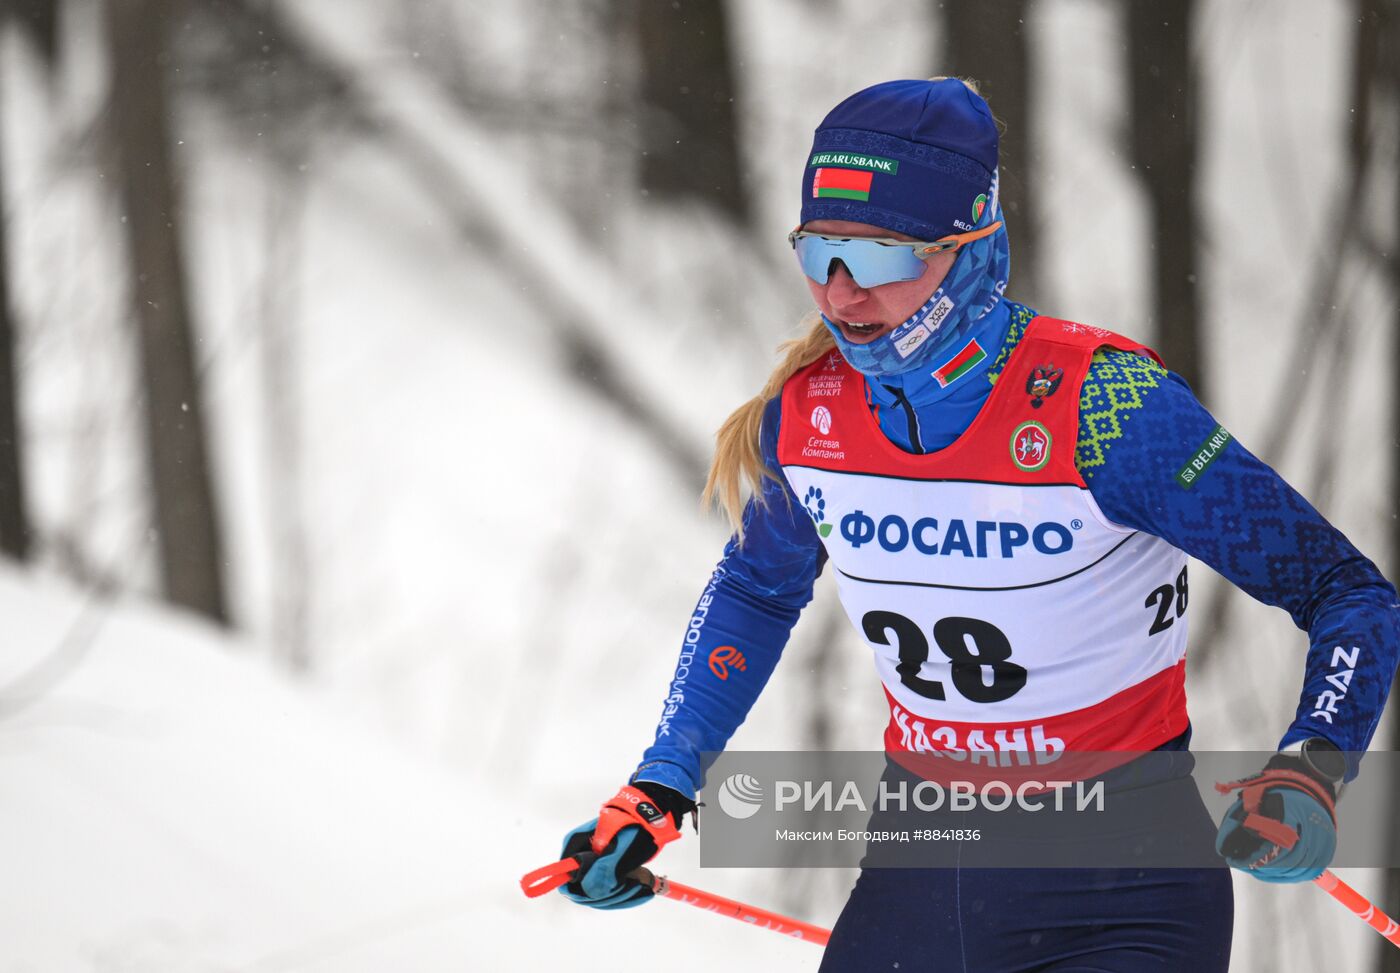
(842, 184)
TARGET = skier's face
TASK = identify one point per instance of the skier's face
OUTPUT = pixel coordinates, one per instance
(865, 313)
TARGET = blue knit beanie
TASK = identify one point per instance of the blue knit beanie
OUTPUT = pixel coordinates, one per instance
(917, 157)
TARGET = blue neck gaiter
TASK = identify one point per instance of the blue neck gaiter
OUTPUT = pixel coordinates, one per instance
(920, 414)
(972, 288)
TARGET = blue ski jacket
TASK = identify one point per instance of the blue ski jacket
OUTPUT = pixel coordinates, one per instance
(1140, 426)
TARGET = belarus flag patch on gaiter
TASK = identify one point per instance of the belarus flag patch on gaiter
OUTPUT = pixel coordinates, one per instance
(963, 362)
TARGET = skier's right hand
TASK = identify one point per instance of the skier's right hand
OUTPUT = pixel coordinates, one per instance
(628, 831)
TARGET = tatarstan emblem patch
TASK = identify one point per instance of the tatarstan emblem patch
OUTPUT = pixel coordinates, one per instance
(1030, 446)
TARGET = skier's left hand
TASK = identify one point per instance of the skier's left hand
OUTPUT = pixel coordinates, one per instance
(1283, 826)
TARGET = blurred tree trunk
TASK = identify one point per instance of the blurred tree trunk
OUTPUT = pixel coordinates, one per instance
(988, 42)
(38, 19)
(186, 521)
(690, 134)
(14, 519)
(1165, 135)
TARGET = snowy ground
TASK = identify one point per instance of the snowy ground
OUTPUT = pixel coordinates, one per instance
(171, 805)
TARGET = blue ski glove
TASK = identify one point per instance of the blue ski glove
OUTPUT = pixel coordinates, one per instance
(1283, 826)
(628, 831)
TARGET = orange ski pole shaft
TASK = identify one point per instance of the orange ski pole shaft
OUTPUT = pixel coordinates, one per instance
(555, 874)
(1360, 906)
(784, 925)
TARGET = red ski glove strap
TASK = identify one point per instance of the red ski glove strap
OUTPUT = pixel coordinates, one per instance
(630, 806)
(1252, 794)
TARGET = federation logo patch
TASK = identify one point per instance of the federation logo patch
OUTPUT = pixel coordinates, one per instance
(1042, 383)
(1030, 446)
(828, 381)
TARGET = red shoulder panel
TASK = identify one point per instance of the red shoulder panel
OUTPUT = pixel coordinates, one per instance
(1074, 333)
(1026, 432)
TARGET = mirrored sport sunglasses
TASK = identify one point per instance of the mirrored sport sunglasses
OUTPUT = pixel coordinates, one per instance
(873, 261)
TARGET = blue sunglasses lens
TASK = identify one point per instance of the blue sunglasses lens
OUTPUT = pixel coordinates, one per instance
(870, 263)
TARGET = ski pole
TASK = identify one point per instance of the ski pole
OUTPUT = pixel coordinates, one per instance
(1359, 906)
(664, 887)
(551, 876)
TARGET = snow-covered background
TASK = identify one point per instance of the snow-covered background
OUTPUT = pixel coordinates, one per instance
(498, 562)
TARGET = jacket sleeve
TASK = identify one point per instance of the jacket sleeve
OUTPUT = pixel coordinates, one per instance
(738, 630)
(1157, 461)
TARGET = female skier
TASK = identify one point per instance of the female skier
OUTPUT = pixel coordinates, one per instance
(1008, 502)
